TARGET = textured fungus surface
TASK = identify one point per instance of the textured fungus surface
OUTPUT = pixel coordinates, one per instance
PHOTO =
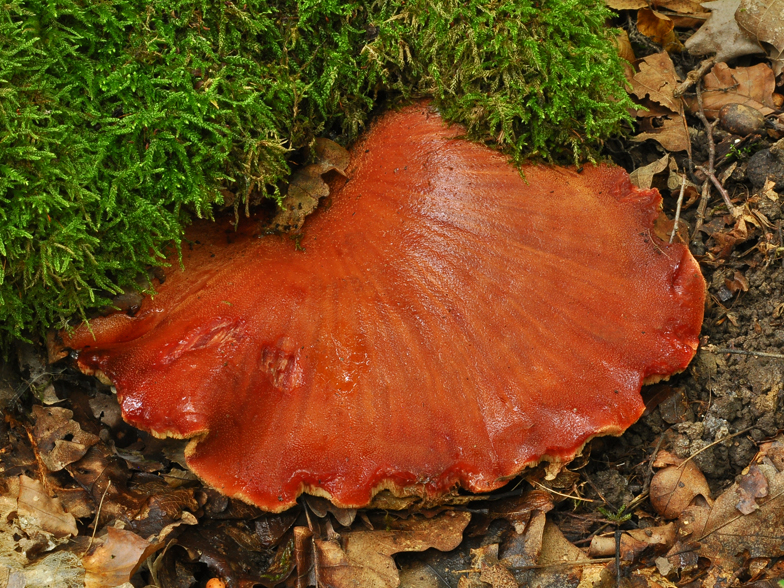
(441, 322)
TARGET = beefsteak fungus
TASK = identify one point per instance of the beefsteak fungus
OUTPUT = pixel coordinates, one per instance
(444, 321)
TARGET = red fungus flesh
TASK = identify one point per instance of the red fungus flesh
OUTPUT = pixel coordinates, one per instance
(443, 321)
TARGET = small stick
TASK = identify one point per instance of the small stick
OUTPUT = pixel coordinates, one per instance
(710, 171)
(704, 197)
(781, 241)
(678, 209)
(693, 77)
(720, 350)
(716, 442)
(97, 516)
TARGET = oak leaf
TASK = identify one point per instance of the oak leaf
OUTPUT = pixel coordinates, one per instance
(721, 34)
(763, 21)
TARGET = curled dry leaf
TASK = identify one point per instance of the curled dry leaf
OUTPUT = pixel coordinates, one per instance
(61, 440)
(675, 487)
(751, 86)
(307, 187)
(37, 509)
(763, 20)
(115, 559)
(660, 28)
(642, 177)
(657, 81)
(721, 34)
(364, 558)
(670, 134)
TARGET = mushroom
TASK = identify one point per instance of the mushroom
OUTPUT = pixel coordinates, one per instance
(446, 321)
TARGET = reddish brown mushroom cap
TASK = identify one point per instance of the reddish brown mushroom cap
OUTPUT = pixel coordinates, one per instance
(448, 322)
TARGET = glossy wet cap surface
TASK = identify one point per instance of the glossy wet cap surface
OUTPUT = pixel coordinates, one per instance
(442, 321)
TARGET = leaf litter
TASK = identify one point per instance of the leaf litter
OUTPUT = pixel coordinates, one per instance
(69, 473)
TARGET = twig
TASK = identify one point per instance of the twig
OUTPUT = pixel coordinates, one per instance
(781, 241)
(702, 206)
(720, 350)
(97, 516)
(710, 171)
(617, 557)
(716, 442)
(678, 209)
(545, 488)
(693, 77)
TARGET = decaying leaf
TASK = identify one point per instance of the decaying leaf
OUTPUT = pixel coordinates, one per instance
(721, 34)
(364, 558)
(689, 7)
(726, 536)
(657, 81)
(660, 28)
(642, 177)
(39, 510)
(671, 134)
(61, 440)
(763, 20)
(674, 488)
(306, 186)
(751, 86)
(115, 559)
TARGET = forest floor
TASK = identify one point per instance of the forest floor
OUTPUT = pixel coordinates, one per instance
(691, 495)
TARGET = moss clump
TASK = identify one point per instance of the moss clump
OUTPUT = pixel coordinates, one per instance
(122, 119)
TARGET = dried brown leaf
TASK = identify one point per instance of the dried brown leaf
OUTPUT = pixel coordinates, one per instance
(657, 80)
(626, 4)
(763, 20)
(642, 177)
(37, 509)
(364, 558)
(721, 34)
(674, 488)
(672, 134)
(306, 186)
(660, 28)
(116, 559)
(725, 536)
(751, 86)
(61, 440)
(752, 485)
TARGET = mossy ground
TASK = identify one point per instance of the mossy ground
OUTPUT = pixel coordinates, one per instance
(120, 120)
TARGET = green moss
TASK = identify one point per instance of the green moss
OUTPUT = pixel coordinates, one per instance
(120, 120)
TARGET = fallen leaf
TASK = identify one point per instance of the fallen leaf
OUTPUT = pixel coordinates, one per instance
(491, 571)
(626, 4)
(660, 28)
(116, 559)
(364, 558)
(721, 34)
(657, 80)
(750, 86)
(37, 509)
(763, 20)
(642, 177)
(61, 440)
(306, 186)
(690, 7)
(752, 485)
(672, 134)
(725, 536)
(675, 487)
